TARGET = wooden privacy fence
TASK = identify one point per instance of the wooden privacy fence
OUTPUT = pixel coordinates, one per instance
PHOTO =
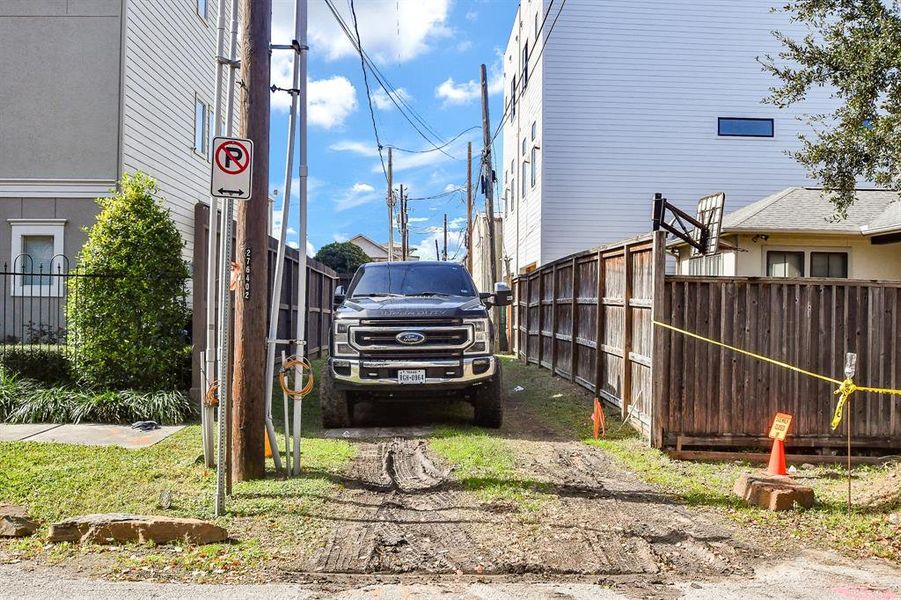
(589, 318)
(321, 283)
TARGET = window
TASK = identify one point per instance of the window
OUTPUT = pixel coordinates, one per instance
(534, 129)
(525, 166)
(711, 266)
(513, 97)
(201, 127)
(737, 127)
(536, 26)
(533, 164)
(201, 8)
(512, 185)
(784, 264)
(829, 264)
(37, 249)
(523, 146)
(525, 64)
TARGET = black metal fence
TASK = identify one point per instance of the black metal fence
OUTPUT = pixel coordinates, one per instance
(36, 299)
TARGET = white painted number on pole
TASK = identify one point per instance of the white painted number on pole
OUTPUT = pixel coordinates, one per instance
(232, 166)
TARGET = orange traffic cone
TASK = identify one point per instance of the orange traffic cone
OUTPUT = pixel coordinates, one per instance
(268, 447)
(777, 458)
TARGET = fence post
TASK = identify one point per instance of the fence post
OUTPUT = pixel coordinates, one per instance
(198, 300)
(599, 328)
(658, 352)
(540, 315)
(528, 284)
(627, 331)
(554, 293)
(574, 315)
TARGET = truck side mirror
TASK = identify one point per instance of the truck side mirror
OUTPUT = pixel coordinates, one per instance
(502, 294)
(340, 296)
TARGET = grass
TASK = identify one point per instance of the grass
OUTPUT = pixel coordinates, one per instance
(485, 464)
(867, 531)
(270, 519)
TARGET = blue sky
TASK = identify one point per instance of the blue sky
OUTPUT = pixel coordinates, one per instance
(429, 49)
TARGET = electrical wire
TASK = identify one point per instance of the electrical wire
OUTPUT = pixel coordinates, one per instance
(444, 145)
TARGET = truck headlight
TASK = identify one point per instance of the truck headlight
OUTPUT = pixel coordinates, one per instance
(481, 342)
(342, 332)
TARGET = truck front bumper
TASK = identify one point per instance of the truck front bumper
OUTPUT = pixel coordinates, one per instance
(441, 373)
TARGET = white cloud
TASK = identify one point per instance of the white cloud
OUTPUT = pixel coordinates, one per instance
(311, 250)
(472, 15)
(393, 32)
(418, 219)
(331, 101)
(361, 148)
(382, 101)
(341, 237)
(425, 248)
(464, 45)
(358, 194)
(466, 92)
(451, 187)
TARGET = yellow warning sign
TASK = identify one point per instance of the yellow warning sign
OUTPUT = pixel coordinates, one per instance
(780, 426)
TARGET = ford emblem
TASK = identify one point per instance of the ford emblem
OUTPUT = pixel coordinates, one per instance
(410, 338)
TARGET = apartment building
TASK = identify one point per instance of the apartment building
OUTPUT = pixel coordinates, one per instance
(609, 101)
(92, 89)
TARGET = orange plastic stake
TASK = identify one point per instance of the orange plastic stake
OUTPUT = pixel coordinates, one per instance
(597, 417)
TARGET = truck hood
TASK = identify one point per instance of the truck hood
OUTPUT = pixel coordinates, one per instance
(428, 307)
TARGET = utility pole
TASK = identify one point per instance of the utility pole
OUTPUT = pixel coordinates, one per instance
(488, 178)
(248, 421)
(390, 200)
(445, 236)
(403, 224)
(469, 207)
(437, 254)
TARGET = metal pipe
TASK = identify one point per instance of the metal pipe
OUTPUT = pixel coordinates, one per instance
(280, 254)
(302, 227)
(208, 412)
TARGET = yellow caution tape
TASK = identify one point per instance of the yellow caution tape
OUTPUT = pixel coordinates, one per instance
(845, 388)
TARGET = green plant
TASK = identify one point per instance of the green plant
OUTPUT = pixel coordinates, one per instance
(343, 257)
(48, 366)
(128, 313)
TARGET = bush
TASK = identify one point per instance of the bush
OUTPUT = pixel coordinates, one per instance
(27, 401)
(129, 323)
(343, 257)
(47, 366)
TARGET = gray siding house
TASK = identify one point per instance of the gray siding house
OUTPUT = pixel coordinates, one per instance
(92, 89)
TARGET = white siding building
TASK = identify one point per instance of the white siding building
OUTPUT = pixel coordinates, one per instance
(624, 99)
(92, 89)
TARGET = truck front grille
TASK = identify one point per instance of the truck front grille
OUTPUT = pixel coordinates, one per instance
(384, 338)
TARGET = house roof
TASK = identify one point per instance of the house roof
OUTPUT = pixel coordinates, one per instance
(383, 247)
(808, 210)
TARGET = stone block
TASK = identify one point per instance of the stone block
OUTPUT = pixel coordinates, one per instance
(119, 527)
(14, 521)
(773, 492)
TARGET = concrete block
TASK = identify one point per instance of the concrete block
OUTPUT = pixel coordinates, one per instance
(773, 492)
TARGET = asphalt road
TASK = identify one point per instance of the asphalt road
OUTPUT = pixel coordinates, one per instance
(810, 576)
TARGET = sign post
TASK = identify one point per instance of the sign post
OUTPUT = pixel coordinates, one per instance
(232, 168)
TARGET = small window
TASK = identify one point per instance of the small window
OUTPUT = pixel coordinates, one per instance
(201, 127)
(525, 173)
(523, 146)
(534, 130)
(533, 164)
(512, 194)
(513, 97)
(829, 264)
(536, 26)
(201, 8)
(736, 127)
(37, 248)
(784, 264)
(525, 65)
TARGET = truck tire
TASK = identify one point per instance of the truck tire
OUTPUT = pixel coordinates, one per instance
(334, 404)
(488, 402)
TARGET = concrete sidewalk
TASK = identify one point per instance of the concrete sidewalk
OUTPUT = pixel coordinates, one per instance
(86, 434)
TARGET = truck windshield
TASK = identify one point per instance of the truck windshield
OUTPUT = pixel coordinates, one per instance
(404, 279)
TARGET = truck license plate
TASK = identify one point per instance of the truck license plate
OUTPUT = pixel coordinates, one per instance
(411, 376)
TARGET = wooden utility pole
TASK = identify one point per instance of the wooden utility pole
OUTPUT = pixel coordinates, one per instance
(249, 412)
(469, 207)
(403, 224)
(437, 254)
(445, 236)
(390, 200)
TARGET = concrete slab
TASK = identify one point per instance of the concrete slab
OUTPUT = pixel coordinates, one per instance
(105, 435)
(374, 433)
(17, 433)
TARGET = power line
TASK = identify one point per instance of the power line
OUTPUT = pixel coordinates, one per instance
(359, 47)
(396, 98)
(448, 143)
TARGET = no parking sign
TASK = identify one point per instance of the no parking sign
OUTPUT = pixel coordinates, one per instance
(232, 167)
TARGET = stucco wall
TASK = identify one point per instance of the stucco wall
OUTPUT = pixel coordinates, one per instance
(60, 89)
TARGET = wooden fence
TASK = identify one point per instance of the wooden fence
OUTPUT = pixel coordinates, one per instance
(321, 283)
(589, 318)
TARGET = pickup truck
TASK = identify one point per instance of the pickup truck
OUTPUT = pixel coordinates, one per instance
(416, 331)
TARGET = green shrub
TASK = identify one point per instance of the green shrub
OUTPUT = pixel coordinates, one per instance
(129, 324)
(27, 401)
(343, 257)
(47, 366)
